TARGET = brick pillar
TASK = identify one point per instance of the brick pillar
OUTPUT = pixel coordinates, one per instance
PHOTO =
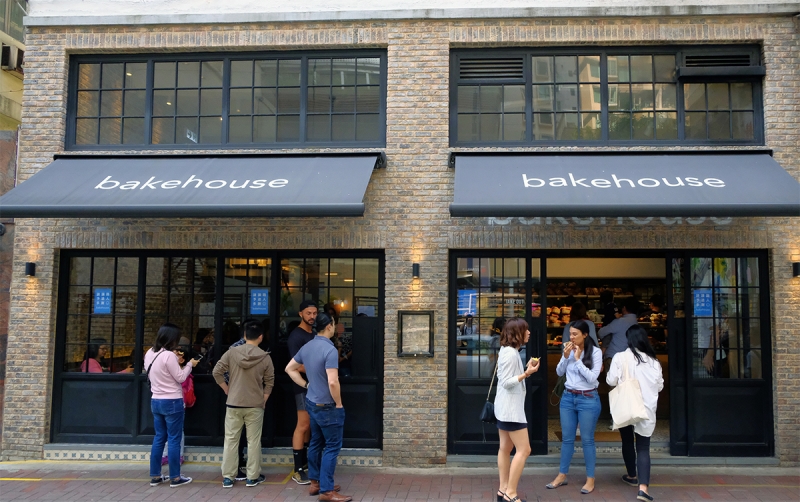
(415, 390)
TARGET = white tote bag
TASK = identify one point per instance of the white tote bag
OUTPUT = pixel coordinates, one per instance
(626, 402)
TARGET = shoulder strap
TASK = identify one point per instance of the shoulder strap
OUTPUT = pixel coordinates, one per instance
(493, 375)
(152, 362)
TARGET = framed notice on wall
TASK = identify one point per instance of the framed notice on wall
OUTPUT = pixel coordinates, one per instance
(702, 303)
(415, 333)
(259, 301)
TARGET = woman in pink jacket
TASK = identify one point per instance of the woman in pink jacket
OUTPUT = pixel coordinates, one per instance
(165, 377)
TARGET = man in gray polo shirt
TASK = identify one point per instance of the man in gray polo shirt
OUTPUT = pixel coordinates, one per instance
(324, 405)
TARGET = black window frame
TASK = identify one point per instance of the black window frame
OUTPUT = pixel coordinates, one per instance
(226, 58)
(750, 74)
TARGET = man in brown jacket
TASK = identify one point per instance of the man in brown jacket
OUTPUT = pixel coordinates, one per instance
(251, 377)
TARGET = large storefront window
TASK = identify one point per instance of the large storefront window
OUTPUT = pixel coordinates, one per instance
(112, 305)
(263, 99)
(643, 95)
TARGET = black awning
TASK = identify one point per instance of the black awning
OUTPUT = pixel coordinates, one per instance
(195, 186)
(640, 184)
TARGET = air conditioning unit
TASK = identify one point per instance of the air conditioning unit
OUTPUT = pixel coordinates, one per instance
(12, 60)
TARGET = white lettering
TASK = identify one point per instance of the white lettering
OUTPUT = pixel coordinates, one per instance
(243, 186)
(641, 182)
(558, 182)
(168, 185)
(108, 179)
(667, 183)
(258, 184)
(714, 182)
(617, 180)
(695, 221)
(208, 184)
(579, 182)
(670, 221)
(192, 179)
(129, 185)
(693, 182)
(526, 182)
(601, 183)
(150, 183)
(279, 183)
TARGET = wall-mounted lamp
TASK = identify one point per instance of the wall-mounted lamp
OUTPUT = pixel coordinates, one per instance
(796, 269)
(30, 269)
(415, 270)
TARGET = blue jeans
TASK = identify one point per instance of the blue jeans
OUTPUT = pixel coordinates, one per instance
(168, 422)
(576, 409)
(327, 427)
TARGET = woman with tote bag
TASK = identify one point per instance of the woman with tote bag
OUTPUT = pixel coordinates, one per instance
(641, 364)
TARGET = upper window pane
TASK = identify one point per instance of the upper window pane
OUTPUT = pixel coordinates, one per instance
(618, 95)
(239, 101)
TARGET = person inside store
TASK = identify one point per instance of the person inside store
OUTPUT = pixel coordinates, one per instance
(165, 377)
(95, 353)
(509, 407)
(94, 356)
(299, 336)
(204, 344)
(610, 310)
(343, 341)
(642, 364)
(613, 335)
(494, 341)
(578, 313)
(581, 361)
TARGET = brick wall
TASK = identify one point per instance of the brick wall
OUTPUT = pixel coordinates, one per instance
(407, 203)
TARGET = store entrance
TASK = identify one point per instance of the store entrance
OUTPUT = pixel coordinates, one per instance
(597, 289)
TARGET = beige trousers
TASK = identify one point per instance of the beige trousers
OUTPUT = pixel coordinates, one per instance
(253, 418)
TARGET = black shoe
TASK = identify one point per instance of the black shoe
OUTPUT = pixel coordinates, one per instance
(629, 480)
(257, 481)
(180, 481)
(241, 475)
(644, 496)
(155, 481)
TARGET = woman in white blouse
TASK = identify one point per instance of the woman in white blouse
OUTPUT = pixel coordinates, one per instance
(643, 366)
(581, 361)
(509, 407)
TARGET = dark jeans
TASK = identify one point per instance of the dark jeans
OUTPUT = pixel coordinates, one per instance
(168, 422)
(327, 427)
(637, 461)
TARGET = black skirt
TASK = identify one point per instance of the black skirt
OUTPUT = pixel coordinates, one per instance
(511, 426)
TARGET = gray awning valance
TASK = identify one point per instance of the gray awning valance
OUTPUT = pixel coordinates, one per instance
(640, 184)
(195, 186)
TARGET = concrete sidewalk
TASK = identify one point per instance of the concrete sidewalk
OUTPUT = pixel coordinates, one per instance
(116, 481)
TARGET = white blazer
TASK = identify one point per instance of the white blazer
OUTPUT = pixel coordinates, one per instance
(651, 381)
(509, 403)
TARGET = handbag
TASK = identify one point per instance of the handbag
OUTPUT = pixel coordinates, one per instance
(487, 412)
(626, 402)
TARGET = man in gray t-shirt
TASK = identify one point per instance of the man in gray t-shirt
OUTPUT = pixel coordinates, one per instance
(324, 405)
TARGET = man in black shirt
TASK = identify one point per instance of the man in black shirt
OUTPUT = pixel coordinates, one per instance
(300, 336)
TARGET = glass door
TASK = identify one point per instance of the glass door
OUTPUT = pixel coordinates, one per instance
(729, 363)
(486, 291)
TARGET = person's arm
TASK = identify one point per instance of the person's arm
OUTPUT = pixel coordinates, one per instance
(614, 371)
(660, 377)
(268, 379)
(333, 386)
(294, 346)
(175, 370)
(566, 352)
(605, 331)
(293, 370)
(219, 372)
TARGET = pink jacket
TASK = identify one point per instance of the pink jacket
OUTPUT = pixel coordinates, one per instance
(166, 375)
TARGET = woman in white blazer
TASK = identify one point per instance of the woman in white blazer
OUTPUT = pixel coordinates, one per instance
(643, 366)
(509, 407)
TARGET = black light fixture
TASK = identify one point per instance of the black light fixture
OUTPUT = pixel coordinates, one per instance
(796, 269)
(415, 270)
(30, 269)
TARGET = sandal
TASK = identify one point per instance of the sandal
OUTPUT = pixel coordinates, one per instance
(500, 496)
(515, 499)
(551, 486)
